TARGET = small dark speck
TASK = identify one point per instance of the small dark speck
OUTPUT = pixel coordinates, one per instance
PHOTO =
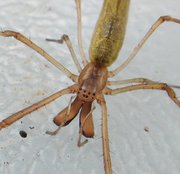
(23, 134)
(146, 129)
(31, 127)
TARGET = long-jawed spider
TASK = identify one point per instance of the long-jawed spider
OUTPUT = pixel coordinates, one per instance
(92, 82)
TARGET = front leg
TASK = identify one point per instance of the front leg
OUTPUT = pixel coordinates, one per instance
(39, 50)
(20, 114)
(153, 28)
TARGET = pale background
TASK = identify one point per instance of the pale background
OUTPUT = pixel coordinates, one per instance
(26, 78)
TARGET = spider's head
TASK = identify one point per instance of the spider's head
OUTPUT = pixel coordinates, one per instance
(92, 80)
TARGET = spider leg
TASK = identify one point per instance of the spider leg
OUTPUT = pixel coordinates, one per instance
(158, 86)
(39, 50)
(70, 47)
(20, 114)
(105, 139)
(127, 81)
(137, 80)
(79, 29)
(161, 20)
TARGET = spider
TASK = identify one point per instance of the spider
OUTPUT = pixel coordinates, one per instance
(93, 82)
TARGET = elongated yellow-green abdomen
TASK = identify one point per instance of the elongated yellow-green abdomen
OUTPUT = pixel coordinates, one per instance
(109, 33)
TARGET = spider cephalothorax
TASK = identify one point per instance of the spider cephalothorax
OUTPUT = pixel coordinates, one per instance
(91, 82)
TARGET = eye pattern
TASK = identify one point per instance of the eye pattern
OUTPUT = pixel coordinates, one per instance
(86, 94)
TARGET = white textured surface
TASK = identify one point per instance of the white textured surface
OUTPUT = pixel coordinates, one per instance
(26, 78)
